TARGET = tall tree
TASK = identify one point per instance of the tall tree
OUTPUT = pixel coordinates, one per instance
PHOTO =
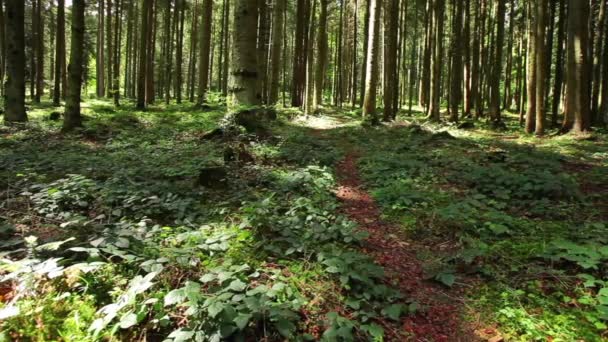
(205, 45)
(15, 64)
(437, 60)
(72, 118)
(603, 111)
(578, 96)
(143, 54)
(532, 69)
(39, 52)
(60, 56)
(559, 63)
(597, 63)
(541, 72)
(495, 110)
(276, 53)
(244, 75)
(391, 16)
(321, 60)
(371, 71)
(457, 66)
(100, 65)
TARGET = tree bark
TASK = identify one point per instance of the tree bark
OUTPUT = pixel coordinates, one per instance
(437, 61)
(578, 96)
(59, 52)
(72, 118)
(597, 65)
(100, 65)
(15, 64)
(391, 16)
(532, 70)
(321, 61)
(457, 67)
(143, 54)
(371, 77)
(244, 74)
(205, 46)
(276, 53)
(541, 71)
(495, 110)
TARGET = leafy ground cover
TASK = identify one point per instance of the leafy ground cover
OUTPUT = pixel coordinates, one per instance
(324, 230)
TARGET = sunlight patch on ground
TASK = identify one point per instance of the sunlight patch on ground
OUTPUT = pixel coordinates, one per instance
(323, 122)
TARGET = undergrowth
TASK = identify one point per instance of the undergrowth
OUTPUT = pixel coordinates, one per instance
(108, 236)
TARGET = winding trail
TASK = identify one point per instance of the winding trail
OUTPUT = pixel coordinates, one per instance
(439, 317)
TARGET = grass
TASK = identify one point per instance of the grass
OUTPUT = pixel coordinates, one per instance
(148, 253)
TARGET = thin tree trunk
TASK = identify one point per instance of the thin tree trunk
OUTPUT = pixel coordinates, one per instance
(495, 111)
(541, 59)
(276, 53)
(597, 64)
(559, 64)
(371, 78)
(321, 61)
(457, 66)
(14, 104)
(532, 70)
(143, 54)
(72, 117)
(205, 46)
(437, 61)
(60, 54)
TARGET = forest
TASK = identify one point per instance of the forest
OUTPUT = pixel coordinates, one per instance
(304, 170)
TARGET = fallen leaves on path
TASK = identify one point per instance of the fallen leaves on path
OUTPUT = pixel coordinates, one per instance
(439, 317)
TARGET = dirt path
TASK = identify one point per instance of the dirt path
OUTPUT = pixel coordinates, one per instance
(438, 319)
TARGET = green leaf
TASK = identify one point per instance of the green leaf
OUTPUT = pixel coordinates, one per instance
(174, 297)
(181, 335)
(128, 321)
(374, 330)
(208, 277)
(393, 311)
(215, 308)
(284, 327)
(242, 320)
(237, 285)
(446, 279)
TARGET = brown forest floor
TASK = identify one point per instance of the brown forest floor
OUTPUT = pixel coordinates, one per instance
(438, 319)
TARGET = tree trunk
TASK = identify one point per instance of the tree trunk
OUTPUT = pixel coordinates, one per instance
(559, 64)
(39, 52)
(371, 78)
(244, 75)
(495, 111)
(541, 71)
(72, 117)
(109, 49)
(143, 54)
(532, 70)
(603, 111)
(59, 52)
(117, 50)
(457, 67)
(597, 65)
(321, 61)
(437, 61)
(2, 47)
(577, 117)
(100, 65)
(276, 53)
(205, 46)
(391, 16)
(15, 62)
